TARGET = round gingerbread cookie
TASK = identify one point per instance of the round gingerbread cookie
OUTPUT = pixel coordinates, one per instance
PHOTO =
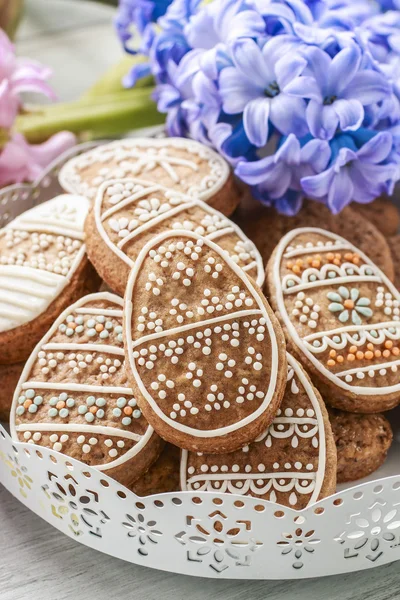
(43, 268)
(206, 353)
(180, 164)
(362, 443)
(265, 227)
(341, 317)
(127, 214)
(73, 395)
(293, 462)
(9, 376)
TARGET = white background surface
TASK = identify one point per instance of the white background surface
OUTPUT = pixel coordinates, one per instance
(38, 563)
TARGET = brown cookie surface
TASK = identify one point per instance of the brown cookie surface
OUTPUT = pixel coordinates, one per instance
(382, 213)
(293, 462)
(127, 213)
(180, 164)
(362, 443)
(9, 376)
(265, 227)
(43, 268)
(341, 317)
(73, 395)
(394, 245)
(206, 354)
(163, 475)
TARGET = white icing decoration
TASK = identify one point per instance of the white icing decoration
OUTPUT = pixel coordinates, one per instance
(260, 483)
(259, 311)
(26, 292)
(25, 384)
(244, 248)
(304, 344)
(161, 153)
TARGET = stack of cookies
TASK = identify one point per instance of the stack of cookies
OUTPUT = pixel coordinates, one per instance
(194, 368)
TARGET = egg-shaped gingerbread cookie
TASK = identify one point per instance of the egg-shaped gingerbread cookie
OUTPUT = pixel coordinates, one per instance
(293, 462)
(206, 353)
(183, 165)
(73, 395)
(43, 269)
(127, 213)
(341, 317)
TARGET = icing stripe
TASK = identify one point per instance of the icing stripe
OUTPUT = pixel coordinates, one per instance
(331, 248)
(348, 328)
(333, 281)
(250, 266)
(238, 476)
(36, 275)
(105, 312)
(80, 428)
(129, 200)
(76, 387)
(189, 326)
(219, 233)
(387, 365)
(83, 347)
(48, 227)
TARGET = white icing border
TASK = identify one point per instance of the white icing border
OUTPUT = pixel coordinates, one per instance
(187, 202)
(23, 381)
(319, 474)
(357, 390)
(128, 307)
(176, 142)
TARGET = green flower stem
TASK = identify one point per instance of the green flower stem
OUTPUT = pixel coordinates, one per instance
(110, 115)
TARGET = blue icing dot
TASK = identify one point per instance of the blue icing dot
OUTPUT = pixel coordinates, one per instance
(108, 325)
(53, 412)
(20, 410)
(70, 318)
(62, 327)
(32, 408)
(118, 329)
(70, 402)
(21, 399)
(290, 283)
(104, 334)
(69, 331)
(374, 333)
(82, 409)
(100, 402)
(136, 414)
(336, 339)
(64, 412)
(121, 402)
(369, 271)
(63, 396)
(90, 400)
(91, 323)
(313, 277)
(126, 421)
(132, 402)
(30, 393)
(100, 319)
(100, 413)
(120, 337)
(89, 417)
(38, 400)
(91, 332)
(316, 343)
(79, 329)
(79, 320)
(117, 412)
(331, 274)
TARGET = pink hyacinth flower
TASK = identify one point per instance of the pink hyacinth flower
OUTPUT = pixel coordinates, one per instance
(20, 161)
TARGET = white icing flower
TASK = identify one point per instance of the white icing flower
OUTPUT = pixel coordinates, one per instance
(148, 209)
(123, 226)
